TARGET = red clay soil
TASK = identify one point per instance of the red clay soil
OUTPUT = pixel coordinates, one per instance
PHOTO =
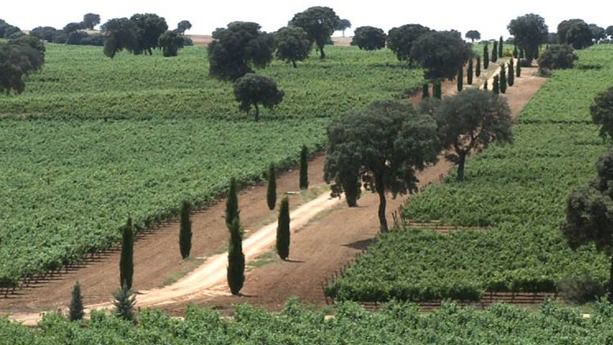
(157, 259)
(334, 239)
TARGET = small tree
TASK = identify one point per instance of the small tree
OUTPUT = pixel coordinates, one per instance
(369, 38)
(503, 79)
(120, 34)
(292, 45)
(232, 211)
(486, 57)
(529, 32)
(485, 86)
(469, 72)
(253, 90)
(511, 73)
(185, 230)
(90, 20)
(576, 33)
(425, 91)
(602, 112)
(460, 79)
(124, 303)
(183, 26)
(343, 25)
(75, 311)
(496, 85)
(150, 27)
(515, 52)
(558, 56)
(319, 23)
(472, 119)
(495, 52)
(440, 53)
(236, 258)
(283, 230)
(380, 147)
(437, 89)
(126, 261)
(171, 42)
(500, 47)
(478, 67)
(473, 35)
(609, 31)
(518, 70)
(271, 190)
(304, 168)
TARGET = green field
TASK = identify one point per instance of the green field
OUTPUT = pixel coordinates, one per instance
(517, 192)
(395, 325)
(93, 140)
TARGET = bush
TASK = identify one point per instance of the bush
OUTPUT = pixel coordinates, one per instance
(581, 289)
(557, 56)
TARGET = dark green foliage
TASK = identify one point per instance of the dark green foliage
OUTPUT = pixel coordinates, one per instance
(369, 38)
(485, 86)
(576, 33)
(343, 25)
(437, 89)
(557, 56)
(469, 72)
(496, 85)
(319, 23)
(473, 35)
(511, 73)
(171, 42)
(478, 67)
(440, 53)
(253, 90)
(126, 261)
(283, 230)
(518, 69)
(503, 79)
(75, 310)
(45, 33)
(183, 26)
(120, 34)
(495, 52)
(271, 188)
(304, 168)
(185, 230)
(609, 31)
(529, 31)
(381, 146)
(124, 304)
(471, 119)
(515, 52)
(522, 54)
(232, 211)
(500, 47)
(19, 58)
(237, 49)
(598, 33)
(9, 31)
(292, 44)
(425, 91)
(486, 57)
(400, 40)
(236, 258)
(90, 20)
(602, 113)
(72, 27)
(460, 79)
(149, 28)
(581, 289)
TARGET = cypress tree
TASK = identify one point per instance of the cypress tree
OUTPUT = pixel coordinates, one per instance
(75, 311)
(515, 52)
(503, 79)
(283, 230)
(271, 193)
(518, 69)
(469, 72)
(522, 54)
(536, 53)
(232, 211)
(485, 85)
(126, 262)
(495, 52)
(236, 258)
(304, 168)
(500, 47)
(496, 86)
(124, 303)
(185, 230)
(478, 67)
(425, 91)
(437, 90)
(460, 79)
(511, 73)
(486, 57)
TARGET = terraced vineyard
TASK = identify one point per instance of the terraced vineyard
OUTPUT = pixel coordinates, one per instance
(93, 140)
(518, 191)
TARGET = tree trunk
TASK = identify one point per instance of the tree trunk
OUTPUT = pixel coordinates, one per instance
(257, 113)
(610, 297)
(461, 162)
(294, 64)
(382, 203)
(322, 55)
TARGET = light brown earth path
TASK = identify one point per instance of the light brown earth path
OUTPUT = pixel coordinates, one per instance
(156, 254)
(333, 239)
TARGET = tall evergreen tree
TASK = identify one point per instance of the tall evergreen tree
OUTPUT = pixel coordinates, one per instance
(425, 91)
(500, 47)
(478, 67)
(496, 86)
(283, 230)
(75, 311)
(437, 90)
(232, 210)
(486, 57)
(124, 303)
(515, 52)
(511, 73)
(126, 262)
(185, 230)
(485, 86)
(469, 72)
(495, 52)
(304, 168)
(271, 192)
(236, 258)
(522, 54)
(460, 79)
(518, 69)
(503, 79)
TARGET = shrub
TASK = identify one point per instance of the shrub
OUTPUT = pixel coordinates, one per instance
(557, 56)
(581, 289)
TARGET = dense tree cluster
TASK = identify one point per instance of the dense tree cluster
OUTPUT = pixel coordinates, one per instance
(319, 23)
(120, 34)
(170, 42)
(575, 32)
(400, 40)
(9, 31)
(369, 38)
(19, 58)
(557, 56)
(529, 31)
(149, 28)
(440, 53)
